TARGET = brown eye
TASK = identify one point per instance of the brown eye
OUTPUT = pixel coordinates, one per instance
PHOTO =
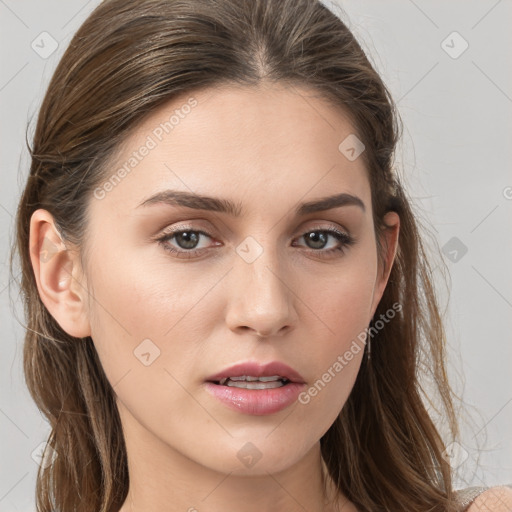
(186, 240)
(317, 239)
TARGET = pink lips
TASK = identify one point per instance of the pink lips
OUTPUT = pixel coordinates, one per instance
(257, 401)
(257, 370)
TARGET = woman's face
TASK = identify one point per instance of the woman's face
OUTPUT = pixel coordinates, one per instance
(272, 283)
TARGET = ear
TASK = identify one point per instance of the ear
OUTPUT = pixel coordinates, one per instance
(58, 275)
(389, 238)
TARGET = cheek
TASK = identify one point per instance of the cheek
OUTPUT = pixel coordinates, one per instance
(137, 314)
(134, 299)
(149, 325)
(143, 331)
(343, 307)
(336, 360)
(342, 299)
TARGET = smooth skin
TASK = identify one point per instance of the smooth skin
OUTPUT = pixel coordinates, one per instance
(268, 149)
(495, 499)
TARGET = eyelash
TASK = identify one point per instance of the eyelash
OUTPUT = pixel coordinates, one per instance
(345, 239)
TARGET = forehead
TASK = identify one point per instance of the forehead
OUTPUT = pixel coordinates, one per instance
(261, 145)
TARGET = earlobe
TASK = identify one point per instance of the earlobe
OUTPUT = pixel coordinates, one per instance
(58, 275)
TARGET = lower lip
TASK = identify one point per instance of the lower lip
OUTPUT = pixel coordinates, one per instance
(257, 402)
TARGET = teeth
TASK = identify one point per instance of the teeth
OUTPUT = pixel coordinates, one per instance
(249, 378)
(255, 385)
(253, 379)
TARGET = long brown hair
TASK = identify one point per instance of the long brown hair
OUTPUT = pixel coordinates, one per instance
(384, 451)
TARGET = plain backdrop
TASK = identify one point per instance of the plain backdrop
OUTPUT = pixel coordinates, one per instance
(447, 64)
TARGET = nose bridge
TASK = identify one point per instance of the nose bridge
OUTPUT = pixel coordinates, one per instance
(258, 264)
(260, 295)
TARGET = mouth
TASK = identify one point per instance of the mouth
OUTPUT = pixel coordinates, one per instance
(254, 389)
(251, 382)
(253, 375)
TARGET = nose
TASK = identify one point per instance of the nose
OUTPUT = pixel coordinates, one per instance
(260, 297)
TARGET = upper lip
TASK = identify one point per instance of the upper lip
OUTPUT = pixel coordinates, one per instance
(254, 369)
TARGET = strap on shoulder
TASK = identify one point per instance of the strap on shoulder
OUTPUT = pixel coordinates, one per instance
(466, 496)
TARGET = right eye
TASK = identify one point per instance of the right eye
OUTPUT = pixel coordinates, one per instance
(187, 240)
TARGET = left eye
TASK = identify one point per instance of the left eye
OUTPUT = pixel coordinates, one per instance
(188, 239)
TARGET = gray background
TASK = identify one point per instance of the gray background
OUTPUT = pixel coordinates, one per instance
(455, 160)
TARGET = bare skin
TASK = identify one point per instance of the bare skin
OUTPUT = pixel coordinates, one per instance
(268, 149)
(496, 499)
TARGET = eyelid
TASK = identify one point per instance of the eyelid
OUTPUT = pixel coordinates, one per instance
(344, 238)
(207, 232)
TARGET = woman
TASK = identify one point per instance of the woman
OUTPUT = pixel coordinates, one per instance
(227, 296)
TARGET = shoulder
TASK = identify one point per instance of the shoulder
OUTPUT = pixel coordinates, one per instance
(495, 499)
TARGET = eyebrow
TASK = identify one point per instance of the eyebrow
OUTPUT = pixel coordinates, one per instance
(200, 202)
